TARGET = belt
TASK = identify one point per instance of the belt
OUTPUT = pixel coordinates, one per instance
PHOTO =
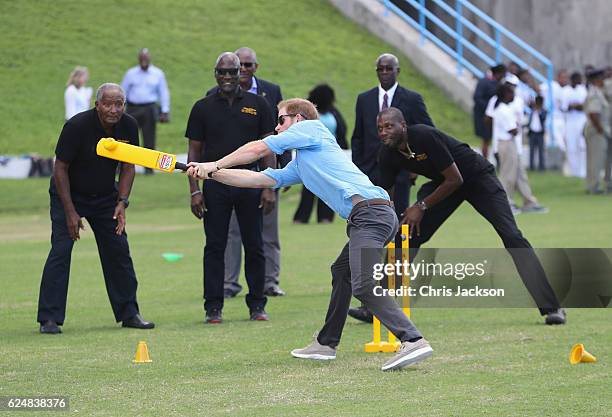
(373, 202)
(129, 103)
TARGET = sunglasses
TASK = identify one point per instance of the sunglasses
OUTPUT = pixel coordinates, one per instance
(219, 72)
(385, 68)
(247, 64)
(281, 118)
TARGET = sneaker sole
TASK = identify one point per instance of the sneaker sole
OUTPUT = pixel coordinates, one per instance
(314, 356)
(413, 357)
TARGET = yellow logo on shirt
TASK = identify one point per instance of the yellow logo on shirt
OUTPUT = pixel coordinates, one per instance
(421, 157)
(249, 110)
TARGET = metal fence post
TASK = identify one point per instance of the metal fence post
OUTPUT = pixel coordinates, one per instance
(459, 29)
(551, 105)
(422, 22)
(498, 57)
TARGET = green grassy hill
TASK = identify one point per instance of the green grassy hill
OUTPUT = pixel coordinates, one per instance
(299, 44)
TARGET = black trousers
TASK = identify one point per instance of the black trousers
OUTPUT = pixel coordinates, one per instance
(146, 116)
(486, 194)
(220, 199)
(302, 214)
(536, 145)
(119, 275)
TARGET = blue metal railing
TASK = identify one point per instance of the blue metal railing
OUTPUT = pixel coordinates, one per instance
(478, 58)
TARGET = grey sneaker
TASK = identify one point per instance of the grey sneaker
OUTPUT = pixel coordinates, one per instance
(515, 210)
(556, 317)
(315, 351)
(535, 209)
(408, 354)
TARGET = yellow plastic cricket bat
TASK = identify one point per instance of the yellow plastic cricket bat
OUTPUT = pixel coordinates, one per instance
(149, 158)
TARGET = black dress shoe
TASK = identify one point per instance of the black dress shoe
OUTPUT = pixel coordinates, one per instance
(361, 313)
(137, 322)
(274, 291)
(556, 317)
(50, 327)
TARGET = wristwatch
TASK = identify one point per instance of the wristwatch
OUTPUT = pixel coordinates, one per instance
(125, 201)
(421, 204)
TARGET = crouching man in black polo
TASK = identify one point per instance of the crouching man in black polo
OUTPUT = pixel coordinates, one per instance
(83, 185)
(457, 174)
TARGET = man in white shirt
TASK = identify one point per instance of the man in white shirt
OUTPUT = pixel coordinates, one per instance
(574, 97)
(145, 86)
(558, 115)
(506, 128)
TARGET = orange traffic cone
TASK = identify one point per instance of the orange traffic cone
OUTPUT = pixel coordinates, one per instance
(142, 353)
(578, 354)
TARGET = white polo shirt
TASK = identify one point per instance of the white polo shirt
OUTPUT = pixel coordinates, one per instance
(504, 120)
(517, 105)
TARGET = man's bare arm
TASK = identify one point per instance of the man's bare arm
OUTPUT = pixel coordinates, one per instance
(243, 178)
(244, 155)
(452, 181)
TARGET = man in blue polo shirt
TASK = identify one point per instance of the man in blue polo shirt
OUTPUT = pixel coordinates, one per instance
(324, 169)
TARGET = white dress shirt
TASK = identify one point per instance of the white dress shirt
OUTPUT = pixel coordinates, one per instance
(558, 102)
(253, 88)
(536, 124)
(142, 87)
(77, 100)
(381, 95)
(575, 96)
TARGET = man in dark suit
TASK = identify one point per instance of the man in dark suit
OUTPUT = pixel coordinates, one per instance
(269, 202)
(485, 89)
(366, 144)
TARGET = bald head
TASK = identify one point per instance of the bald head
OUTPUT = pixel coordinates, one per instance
(392, 114)
(110, 89)
(245, 51)
(228, 59)
(391, 127)
(388, 58)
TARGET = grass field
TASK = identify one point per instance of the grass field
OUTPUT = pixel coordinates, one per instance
(486, 362)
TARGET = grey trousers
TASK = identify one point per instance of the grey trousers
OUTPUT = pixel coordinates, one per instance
(512, 174)
(271, 247)
(370, 229)
(597, 149)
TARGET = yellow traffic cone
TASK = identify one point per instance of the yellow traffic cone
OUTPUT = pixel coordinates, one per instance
(578, 354)
(142, 353)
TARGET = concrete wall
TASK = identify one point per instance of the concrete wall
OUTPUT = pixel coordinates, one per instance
(428, 59)
(572, 33)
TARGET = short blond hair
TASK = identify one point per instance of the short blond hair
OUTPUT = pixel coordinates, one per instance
(76, 73)
(300, 106)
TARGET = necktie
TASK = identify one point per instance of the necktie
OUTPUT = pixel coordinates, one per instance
(385, 104)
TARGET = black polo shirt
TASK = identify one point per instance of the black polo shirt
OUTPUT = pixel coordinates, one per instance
(223, 128)
(434, 151)
(89, 173)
